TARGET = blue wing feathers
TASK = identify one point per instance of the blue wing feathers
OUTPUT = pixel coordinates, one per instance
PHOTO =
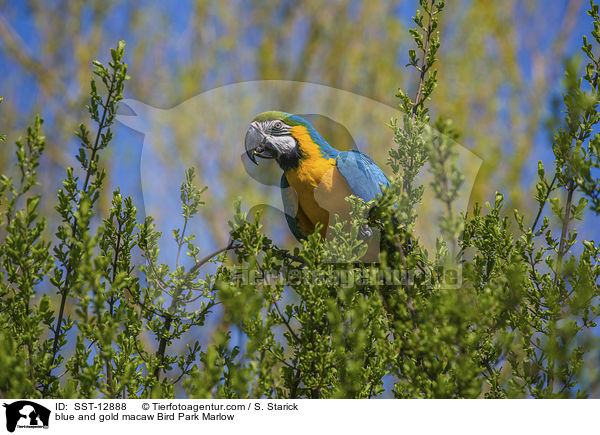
(364, 177)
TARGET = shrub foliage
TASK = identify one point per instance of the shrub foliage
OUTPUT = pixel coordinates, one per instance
(505, 306)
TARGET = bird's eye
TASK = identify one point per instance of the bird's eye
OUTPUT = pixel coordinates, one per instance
(278, 125)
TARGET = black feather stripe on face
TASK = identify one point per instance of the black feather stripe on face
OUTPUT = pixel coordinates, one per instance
(291, 159)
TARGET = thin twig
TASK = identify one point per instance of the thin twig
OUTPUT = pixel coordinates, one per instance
(65, 291)
(286, 322)
(543, 204)
(204, 260)
(565, 228)
(162, 346)
(291, 257)
(180, 242)
(423, 68)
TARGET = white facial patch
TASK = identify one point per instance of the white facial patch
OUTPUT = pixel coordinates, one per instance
(282, 141)
(283, 144)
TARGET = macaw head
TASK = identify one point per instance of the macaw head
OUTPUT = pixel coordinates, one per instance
(280, 136)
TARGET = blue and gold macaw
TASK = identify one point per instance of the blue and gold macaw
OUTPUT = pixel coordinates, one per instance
(320, 176)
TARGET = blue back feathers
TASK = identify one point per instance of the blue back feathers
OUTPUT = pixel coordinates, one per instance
(365, 178)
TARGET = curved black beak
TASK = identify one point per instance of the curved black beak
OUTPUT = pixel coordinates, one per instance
(256, 144)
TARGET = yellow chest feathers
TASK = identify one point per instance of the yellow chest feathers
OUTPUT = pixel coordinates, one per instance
(321, 189)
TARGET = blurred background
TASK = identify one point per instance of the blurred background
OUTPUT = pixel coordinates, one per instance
(500, 71)
(499, 80)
